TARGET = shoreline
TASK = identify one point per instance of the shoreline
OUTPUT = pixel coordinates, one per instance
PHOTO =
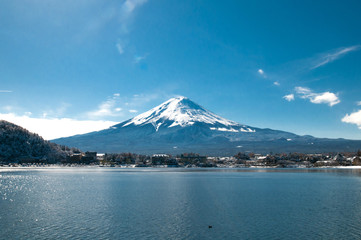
(100, 167)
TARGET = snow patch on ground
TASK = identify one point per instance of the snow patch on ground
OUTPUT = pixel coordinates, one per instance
(232, 129)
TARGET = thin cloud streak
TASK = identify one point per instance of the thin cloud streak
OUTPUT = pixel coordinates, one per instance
(334, 55)
(126, 11)
(295, 71)
(120, 48)
(129, 5)
(138, 59)
(6, 91)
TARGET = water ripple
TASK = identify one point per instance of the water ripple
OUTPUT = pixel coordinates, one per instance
(58, 204)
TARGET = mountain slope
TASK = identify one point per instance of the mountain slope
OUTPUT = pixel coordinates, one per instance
(180, 125)
(16, 143)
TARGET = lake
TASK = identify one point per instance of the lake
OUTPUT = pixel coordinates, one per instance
(151, 203)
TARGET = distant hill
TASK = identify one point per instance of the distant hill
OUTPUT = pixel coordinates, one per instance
(180, 125)
(18, 144)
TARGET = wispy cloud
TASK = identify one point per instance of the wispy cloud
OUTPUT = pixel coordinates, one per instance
(262, 73)
(56, 111)
(121, 12)
(141, 99)
(331, 56)
(120, 106)
(120, 47)
(303, 91)
(138, 59)
(129, 6)
(126, 11)
(358, 103)
(6, 91)
(108, 108)
(270, 77)
(299, 70)
(318, 98)
(289, 97)
(353, 118)
(51, 128)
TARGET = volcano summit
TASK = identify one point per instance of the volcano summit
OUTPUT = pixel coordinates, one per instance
(180, 125)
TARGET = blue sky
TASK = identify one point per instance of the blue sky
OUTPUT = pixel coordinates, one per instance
(76, 66)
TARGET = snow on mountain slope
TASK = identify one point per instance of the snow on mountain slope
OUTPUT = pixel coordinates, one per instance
(183, 112)
(180, 125)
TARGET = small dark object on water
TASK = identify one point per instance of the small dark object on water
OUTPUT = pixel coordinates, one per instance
(209, 226)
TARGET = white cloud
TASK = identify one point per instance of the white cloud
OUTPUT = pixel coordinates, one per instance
(120, 106)
(108, 108)
(6, 91)
(303, 91)
(129, 5)
(260, 71)
(50, 124)
(318, 98)
(57, 112)
(326, 97)
(51, 128)
(120, 48)
(115, 11)
(358, 103)
(276, 83)
(353, 118)
(8, 108)
(289, 97)
(333, 55)
(138, 59)
(126, 12)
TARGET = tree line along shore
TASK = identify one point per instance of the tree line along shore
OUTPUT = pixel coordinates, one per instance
(78, 158)
(18, 146)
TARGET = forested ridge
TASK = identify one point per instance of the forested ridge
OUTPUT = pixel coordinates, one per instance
(18, 144)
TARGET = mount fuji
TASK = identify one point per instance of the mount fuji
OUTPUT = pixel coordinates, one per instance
(180, 125)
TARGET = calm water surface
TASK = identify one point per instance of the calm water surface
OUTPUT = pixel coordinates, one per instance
(101, 203)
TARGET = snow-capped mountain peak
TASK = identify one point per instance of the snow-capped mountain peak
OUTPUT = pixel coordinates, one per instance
(180, 126)
(181, 111)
